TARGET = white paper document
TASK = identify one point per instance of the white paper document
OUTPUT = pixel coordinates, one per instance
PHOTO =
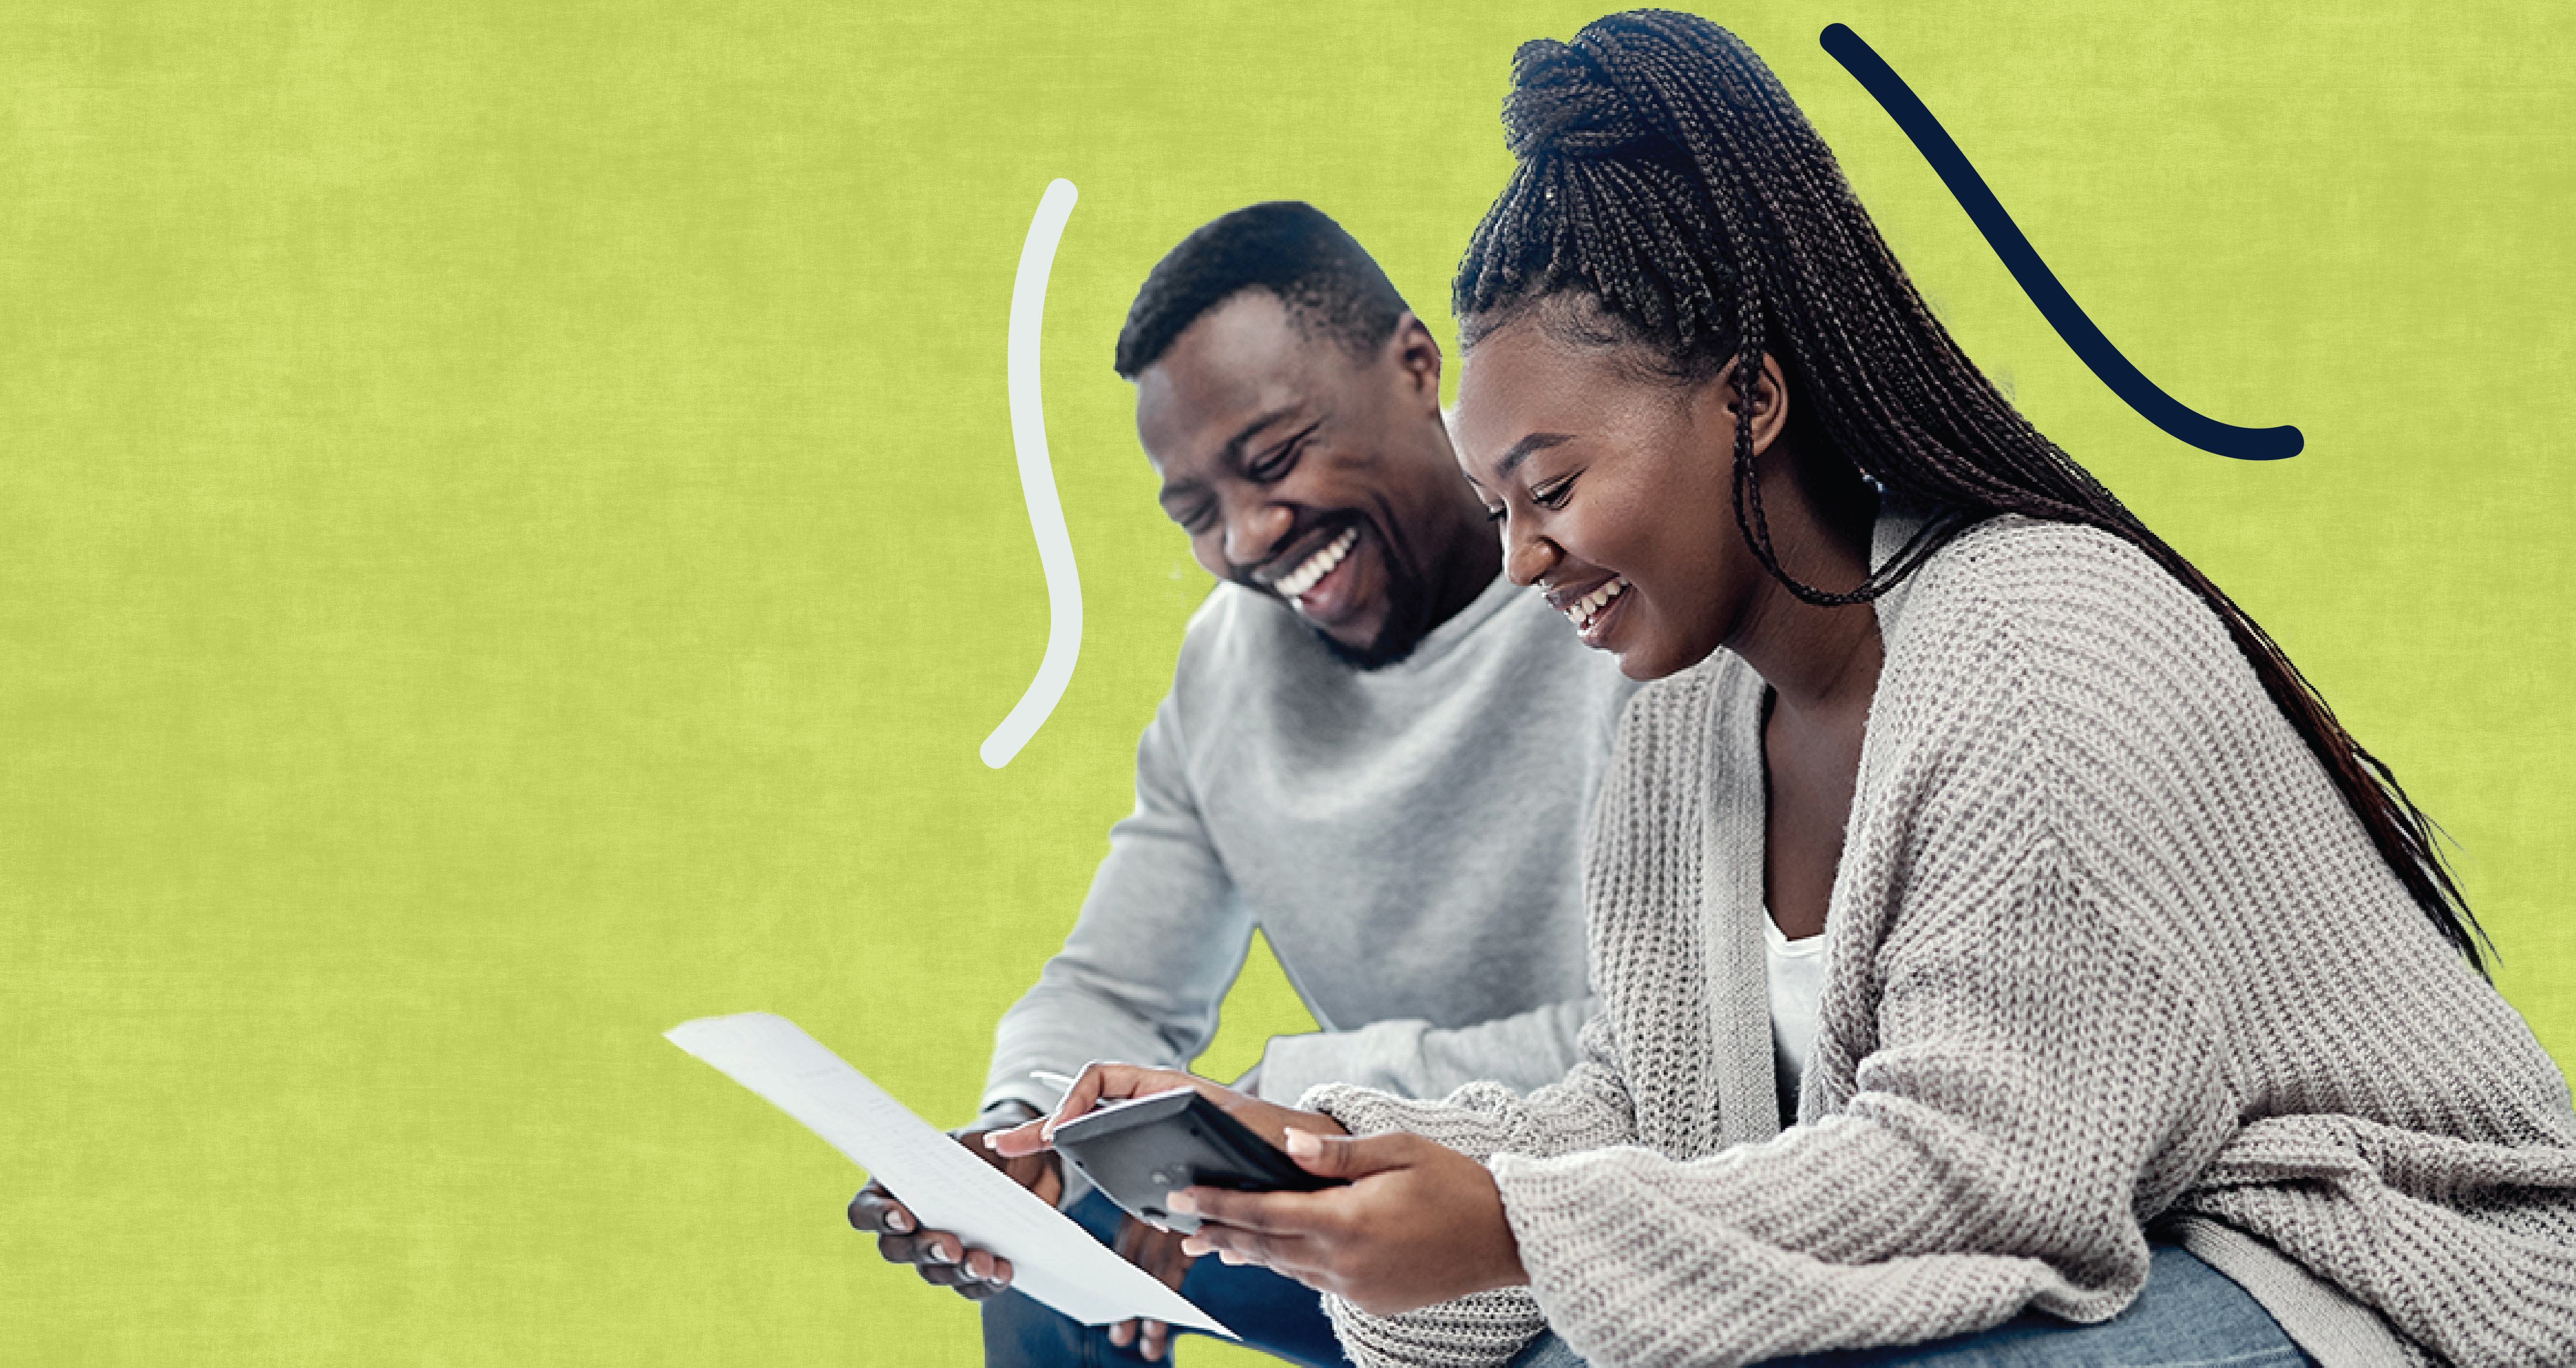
(946, 1188)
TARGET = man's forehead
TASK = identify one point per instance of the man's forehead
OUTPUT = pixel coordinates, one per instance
(1244, 358)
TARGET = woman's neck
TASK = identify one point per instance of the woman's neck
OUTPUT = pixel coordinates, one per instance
(1821, 661)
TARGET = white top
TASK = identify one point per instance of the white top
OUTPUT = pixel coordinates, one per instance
(1796, 969)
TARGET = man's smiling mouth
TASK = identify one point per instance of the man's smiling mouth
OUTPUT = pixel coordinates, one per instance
(1316, 566)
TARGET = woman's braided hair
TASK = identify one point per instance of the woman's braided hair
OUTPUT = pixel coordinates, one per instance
(1665, 176)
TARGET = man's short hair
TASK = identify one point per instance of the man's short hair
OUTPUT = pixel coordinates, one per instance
(1331, 287)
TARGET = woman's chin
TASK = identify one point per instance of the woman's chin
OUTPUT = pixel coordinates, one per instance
(1643, 660)
(1646, 654)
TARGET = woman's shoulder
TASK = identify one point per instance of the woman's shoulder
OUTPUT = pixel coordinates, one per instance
(2012, 557)
(2072, 634)
(2060, 592)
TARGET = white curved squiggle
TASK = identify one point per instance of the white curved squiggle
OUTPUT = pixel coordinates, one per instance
(1037, 482)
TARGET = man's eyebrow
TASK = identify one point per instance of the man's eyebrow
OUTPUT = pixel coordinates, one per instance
(1527, 447)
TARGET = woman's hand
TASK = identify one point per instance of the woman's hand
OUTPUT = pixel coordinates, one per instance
(1113, 1082)
(1420, 1223)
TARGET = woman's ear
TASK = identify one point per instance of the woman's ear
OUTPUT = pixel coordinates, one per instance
(1770, 402)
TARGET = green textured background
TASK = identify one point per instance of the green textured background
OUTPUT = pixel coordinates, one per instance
(509, 540)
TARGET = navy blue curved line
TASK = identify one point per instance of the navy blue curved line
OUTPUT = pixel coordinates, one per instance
(2055, 304)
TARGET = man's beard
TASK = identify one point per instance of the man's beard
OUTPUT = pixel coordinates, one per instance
(1408, 614)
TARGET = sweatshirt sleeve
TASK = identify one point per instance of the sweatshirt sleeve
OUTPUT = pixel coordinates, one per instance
(1160, 938)
(1414, 1058)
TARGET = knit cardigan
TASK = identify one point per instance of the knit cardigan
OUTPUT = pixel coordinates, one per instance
(2106, 950)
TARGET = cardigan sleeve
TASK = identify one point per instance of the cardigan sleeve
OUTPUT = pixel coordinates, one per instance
(1589, 1109)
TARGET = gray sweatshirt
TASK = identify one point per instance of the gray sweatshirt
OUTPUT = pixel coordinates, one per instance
(1405, 837)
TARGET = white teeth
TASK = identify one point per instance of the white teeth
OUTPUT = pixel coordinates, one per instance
(1317, 566)
(1583, 610)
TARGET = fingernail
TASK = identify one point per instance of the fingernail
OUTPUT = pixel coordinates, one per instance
(1304, 1145)
(934, 1254)
(1180, 1202)
(1195, 1247)
(992, 1140)
(899, 1223)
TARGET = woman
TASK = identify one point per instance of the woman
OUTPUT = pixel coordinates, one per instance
(2136, 966)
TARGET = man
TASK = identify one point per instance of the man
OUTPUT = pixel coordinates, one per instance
(1376, 751)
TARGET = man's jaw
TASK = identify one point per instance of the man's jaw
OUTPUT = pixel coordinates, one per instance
(1324, 568)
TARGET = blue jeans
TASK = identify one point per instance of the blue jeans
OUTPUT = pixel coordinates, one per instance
(2188, 1314)
(1272, 1313)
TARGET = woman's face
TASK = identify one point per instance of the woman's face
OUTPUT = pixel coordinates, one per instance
(1615, 493)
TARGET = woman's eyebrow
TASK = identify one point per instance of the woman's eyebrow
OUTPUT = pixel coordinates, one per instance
(1527, 447)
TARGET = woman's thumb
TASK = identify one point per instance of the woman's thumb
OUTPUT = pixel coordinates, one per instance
(1344, 1156)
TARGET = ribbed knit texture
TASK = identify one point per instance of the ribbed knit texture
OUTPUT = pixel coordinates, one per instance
(2107, 948)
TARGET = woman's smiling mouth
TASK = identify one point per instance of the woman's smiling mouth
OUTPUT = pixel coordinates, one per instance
(1591, 612)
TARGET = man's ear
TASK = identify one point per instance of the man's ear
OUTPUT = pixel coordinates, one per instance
(1417, 357)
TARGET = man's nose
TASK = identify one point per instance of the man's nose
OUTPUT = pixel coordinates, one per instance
(1253, 530)
(1527, 555)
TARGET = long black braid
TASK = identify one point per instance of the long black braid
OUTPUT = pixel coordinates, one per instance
(1664, 173)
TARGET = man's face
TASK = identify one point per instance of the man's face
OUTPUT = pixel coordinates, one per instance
(1322, 478)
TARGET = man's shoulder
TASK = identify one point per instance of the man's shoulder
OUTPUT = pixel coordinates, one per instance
(1235, 628)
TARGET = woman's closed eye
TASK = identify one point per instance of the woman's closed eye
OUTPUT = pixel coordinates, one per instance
(1552, 495)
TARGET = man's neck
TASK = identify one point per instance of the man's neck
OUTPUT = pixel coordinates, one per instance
(1471, 557)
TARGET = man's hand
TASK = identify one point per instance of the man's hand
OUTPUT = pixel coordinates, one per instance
(1110, 1082)
(941, 1257)
(1158, 1252)
(1419, 1223)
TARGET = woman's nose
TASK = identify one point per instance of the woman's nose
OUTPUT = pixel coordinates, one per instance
(1252, 532)
(1526, 555)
